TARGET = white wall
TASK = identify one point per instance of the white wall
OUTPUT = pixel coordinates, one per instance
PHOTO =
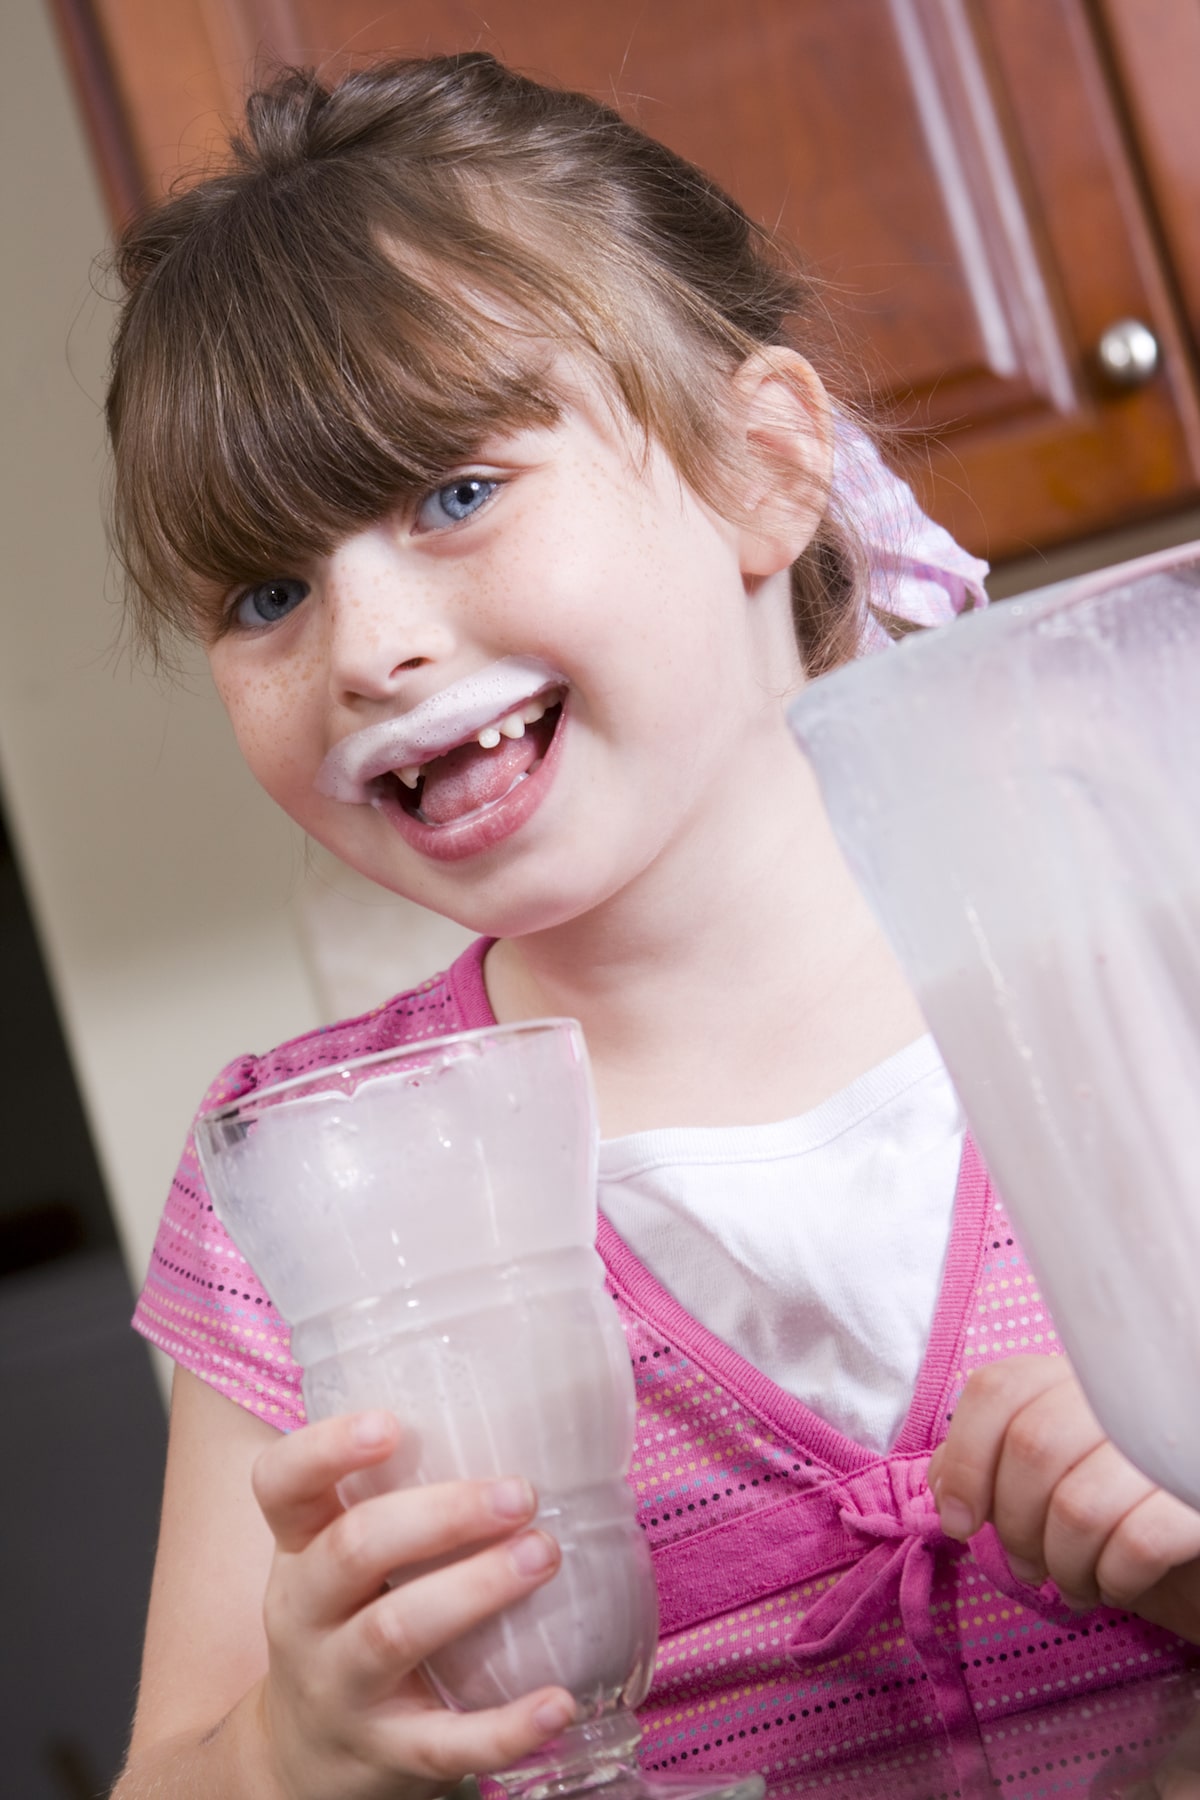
(161, 880)
(182, 918)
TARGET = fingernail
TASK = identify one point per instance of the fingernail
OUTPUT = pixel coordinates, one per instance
(372, 1429)
(957, 1520)
(553, 1716)
(533, 1553)
(1027, 1572)
(512, 1498)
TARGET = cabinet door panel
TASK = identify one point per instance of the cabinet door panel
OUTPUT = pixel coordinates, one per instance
(953, 171)
(844, 124)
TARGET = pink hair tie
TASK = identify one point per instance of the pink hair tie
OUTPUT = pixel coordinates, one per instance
(917, 568)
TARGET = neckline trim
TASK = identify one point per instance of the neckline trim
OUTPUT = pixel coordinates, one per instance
(789, 1417)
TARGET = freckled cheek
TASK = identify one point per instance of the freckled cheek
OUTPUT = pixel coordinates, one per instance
(273, 723)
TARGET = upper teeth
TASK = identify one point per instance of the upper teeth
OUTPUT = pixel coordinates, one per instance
(512, 725)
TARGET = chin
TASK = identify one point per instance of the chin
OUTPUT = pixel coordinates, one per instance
(517, 918)
(517, 904)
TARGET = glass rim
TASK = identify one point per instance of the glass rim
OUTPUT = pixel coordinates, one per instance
(924, 656)
(281, 1090)
(1110, 578)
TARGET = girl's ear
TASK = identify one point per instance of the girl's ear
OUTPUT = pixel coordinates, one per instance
(787, 418)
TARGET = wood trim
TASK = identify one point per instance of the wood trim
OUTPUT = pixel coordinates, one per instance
(1088, 195)
(972, 155)
(179, 73)
(104, 112)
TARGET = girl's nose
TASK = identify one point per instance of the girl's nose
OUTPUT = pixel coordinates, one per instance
(383, 622)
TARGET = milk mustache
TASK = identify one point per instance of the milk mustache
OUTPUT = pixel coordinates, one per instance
(426, 1226)
(1018, 796)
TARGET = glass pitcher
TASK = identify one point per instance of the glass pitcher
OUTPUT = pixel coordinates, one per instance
(1018, 796)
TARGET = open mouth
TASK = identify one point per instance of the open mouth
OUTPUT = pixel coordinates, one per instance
(477, 774)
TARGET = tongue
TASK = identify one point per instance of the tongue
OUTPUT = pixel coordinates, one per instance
(467, 778)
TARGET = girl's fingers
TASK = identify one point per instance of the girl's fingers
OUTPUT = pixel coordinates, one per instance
(1178, 1784)
(398, 1630)
(1025, 1450)
(963, 1472)
(1157, 1534)
(1089, 1504)
(1052, 1433)
(396, 1535)
(295, 1481)
(444, 1746)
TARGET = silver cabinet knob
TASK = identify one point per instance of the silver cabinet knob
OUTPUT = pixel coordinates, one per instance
(1128, 353)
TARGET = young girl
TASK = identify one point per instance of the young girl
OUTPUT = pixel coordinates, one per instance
(448, 370)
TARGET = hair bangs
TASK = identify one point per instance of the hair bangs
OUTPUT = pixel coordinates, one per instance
(394, 269)
(327, 379)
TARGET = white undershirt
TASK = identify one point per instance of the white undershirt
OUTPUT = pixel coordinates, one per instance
(814, 1247)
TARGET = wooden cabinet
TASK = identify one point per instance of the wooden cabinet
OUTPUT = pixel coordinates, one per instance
(986, 187)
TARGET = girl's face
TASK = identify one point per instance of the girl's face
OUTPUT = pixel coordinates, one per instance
(564, 546)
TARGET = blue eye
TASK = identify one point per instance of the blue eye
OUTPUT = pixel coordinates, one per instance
(271, 601)
(451, 504)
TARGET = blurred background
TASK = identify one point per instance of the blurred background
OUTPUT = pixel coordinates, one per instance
(1001, 199)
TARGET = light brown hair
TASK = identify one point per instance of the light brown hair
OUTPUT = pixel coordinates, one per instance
(382, 278)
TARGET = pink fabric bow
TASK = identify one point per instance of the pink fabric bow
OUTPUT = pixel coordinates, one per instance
(896, 1574)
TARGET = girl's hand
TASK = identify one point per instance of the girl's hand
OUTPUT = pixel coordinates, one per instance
(1025, 1450)
(345, 1710)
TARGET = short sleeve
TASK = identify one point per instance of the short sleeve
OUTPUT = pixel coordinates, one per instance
(202, 1305)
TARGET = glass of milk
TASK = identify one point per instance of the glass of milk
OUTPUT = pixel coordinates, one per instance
(1018, 795)
(424, 1220)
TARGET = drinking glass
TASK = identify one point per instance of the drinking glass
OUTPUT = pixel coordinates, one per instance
(424, 1220)
(1018, 795)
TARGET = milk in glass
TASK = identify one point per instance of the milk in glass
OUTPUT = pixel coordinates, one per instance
(424, 1220)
